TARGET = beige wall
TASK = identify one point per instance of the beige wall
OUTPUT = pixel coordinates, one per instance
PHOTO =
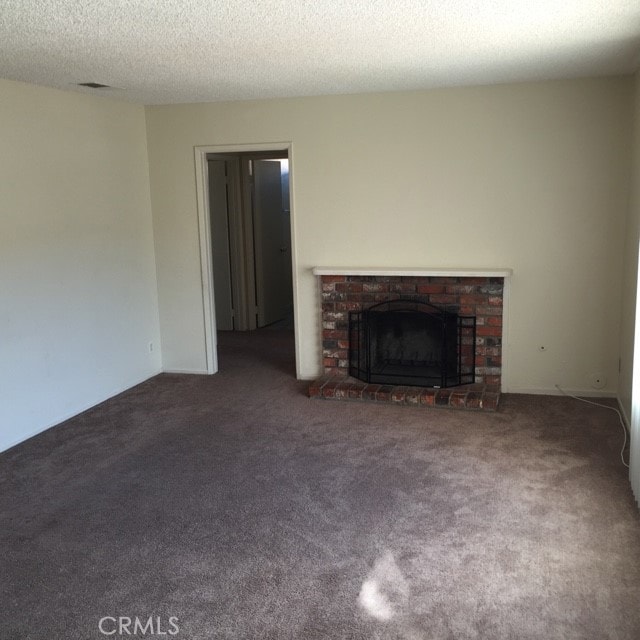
(632, 237)
(531, 176)
(78, 292)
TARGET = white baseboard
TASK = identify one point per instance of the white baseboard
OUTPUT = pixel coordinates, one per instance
(623, 413)
(188, 372)
(553, 391)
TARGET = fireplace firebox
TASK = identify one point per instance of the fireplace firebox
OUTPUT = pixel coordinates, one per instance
(408, 342)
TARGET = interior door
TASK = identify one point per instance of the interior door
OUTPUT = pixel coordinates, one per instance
(272, 244)
(220, 251)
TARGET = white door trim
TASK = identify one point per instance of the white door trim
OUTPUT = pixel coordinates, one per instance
(204, 232)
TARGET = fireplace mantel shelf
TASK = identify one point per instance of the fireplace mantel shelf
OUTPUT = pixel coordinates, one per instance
(411, 271)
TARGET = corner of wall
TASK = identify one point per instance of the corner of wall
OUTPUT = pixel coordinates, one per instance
(630, 272)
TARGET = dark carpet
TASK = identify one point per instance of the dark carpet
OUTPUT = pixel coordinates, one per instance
(233, 506)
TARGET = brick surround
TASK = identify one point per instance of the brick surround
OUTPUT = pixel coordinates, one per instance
(478, 296)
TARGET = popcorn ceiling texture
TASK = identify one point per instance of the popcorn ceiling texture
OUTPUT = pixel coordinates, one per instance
(173, 51)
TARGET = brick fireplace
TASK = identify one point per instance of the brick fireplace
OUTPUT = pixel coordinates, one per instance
(479, 293)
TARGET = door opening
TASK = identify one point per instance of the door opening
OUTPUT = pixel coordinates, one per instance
(250, 237)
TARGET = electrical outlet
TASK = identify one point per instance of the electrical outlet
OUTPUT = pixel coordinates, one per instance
(598, 380)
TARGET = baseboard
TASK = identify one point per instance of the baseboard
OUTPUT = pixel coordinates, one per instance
(553, 391)
(626, 419)
(75, 412)
(188, 372)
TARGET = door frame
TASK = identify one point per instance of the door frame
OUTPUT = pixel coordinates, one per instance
(204, 232)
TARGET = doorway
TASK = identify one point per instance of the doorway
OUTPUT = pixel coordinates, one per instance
(246, 236)
(250, 239)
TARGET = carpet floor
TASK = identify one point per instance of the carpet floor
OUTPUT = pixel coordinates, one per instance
(235, 507)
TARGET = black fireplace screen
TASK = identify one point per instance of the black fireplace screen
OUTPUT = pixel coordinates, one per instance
(405, 342)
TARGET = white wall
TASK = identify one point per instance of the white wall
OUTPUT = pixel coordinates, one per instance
(630, 278)
(531, 176)
(78, 292)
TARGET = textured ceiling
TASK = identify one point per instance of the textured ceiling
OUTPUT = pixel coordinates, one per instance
(168, 51)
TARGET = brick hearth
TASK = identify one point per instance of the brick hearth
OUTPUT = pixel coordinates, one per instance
(481, 296)
(469, 396)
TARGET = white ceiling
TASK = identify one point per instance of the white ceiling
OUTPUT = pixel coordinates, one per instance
(169, 51)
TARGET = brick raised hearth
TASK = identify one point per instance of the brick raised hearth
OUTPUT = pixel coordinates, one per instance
(469, 396)
(478, 293)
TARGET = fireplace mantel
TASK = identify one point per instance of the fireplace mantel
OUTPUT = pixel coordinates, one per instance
(412, 271)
